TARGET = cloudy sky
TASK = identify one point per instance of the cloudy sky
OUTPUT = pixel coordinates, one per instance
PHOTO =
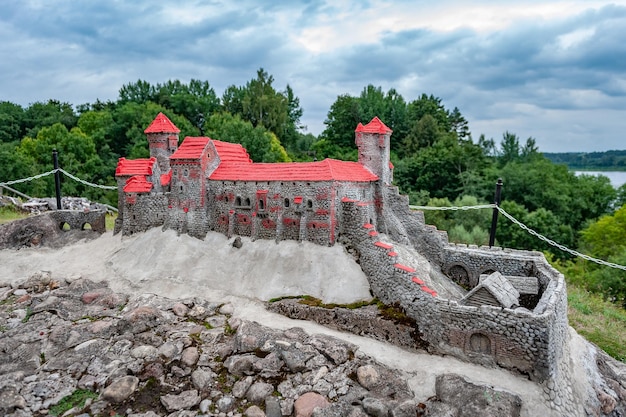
(553, 70)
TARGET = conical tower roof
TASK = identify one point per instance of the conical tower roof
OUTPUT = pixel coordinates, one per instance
(161, 124)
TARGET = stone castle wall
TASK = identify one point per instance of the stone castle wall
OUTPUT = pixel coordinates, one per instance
(519, 340)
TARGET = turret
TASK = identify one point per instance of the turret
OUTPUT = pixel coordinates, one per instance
(373, 143)
(162, 137)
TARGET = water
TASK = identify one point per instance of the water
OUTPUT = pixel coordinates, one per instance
(617, 178)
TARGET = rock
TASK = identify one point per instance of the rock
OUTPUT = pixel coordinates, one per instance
(120, 389)
(11, 400)
(337, 350)
(607, 402)
(405, 409)
(182, 401)
(375, 407)
(241, 387)
(254, 411)
(227, 309)
(201, 379)
(180, 309)
(240, 365)
(258, 391)
(307, 402)
(226, 403)
(204, 405)
(272, 407)
(474, 399)
(190, 356)
(368, 376)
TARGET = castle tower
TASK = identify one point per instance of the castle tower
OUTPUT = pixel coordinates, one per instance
(373, 143)
(162, 137)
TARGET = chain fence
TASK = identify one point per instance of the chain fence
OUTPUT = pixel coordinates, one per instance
(526, 229)
(412, 207)
(54, 171)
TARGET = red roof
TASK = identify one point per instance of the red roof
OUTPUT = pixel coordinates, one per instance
(191, 148)
(326, 170)
(161, 124)
(166, 178)
(231, 152)
(374, 126)
(134, 166)
(137, 184)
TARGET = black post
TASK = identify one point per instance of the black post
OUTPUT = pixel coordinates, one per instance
(57, 177)
(494, 217)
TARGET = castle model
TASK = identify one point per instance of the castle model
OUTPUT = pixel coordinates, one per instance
(208, 185)
(493, 306)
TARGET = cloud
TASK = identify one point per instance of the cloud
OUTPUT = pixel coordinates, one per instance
(539, 68)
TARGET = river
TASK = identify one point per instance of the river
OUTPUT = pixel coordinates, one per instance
(617, 178)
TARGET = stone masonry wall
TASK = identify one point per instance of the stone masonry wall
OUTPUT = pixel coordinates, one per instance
(523, 341)
(280, 210)
(77, 220)
(143, 211)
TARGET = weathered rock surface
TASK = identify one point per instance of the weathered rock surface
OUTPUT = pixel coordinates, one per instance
(41, 230)
(147, 356)
(463, 398)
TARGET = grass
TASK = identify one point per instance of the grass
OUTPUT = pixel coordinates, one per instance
(10, 213)
(75, 399)
(599, 321)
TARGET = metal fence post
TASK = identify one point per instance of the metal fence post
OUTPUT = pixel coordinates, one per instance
(494, 216)
(57, 177)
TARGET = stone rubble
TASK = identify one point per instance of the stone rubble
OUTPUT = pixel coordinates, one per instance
(147, 355)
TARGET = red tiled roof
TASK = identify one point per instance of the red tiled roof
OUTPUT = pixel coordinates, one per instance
(137, 184)
(374, 126)
(231, 152)
(161, 124)
(134, 166)
(166, 178)
(326, 170)
(191, 148)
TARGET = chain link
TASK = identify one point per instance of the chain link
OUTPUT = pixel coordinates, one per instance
(75, 178)
(528, 230)
(444, 208)
(34, 177)
(558, 245)
(104, 187)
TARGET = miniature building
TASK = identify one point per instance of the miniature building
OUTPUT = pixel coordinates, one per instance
(495, 290)
(208, 185)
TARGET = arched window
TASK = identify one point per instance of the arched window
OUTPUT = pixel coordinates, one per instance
(287, 202)
(238, 201)
(246, 202)
(261, 205)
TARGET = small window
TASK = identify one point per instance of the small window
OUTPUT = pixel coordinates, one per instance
(286, 202)
(309, 204)
(246, 202)
(186, 172)
(261, 205)
(238, 201)
(181, 188)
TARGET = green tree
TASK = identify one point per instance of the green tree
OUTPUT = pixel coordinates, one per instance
(262, 146)
(11, 122)
(77, 155)
(343, 118)
(39, 115)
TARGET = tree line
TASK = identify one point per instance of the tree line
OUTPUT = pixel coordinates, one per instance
(590, 161)
(437, 159)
